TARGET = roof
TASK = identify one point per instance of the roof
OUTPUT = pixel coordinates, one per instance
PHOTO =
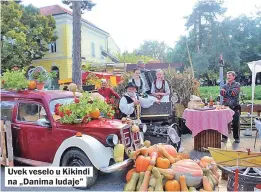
(57, 10)
(37, 95)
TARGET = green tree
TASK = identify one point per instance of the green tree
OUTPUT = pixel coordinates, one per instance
(153, 49)
(133, 58)
(78, 7)
(25, 34)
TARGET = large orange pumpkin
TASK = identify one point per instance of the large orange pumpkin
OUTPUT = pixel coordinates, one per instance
(162, 162)
(190, 169)
(170, 149)
(142, 163)
(129, 174)
(31, 85)
(172, 185)
(95, 114)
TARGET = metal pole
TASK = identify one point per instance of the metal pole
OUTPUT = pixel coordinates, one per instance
(221, 76)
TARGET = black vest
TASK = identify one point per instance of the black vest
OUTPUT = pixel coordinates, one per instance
(138, 87)
(129, 101)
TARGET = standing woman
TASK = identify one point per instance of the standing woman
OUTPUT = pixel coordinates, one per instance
(160, 87)
(138, 81)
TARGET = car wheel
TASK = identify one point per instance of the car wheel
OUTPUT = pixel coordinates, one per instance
(76, 158)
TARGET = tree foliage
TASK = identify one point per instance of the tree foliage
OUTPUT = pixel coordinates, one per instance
(153, 49)
(210, 34)
(25, 34)
(133, 58)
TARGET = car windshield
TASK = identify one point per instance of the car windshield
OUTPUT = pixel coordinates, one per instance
(60, 101)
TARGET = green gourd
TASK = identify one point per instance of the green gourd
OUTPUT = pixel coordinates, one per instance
(141, 177)
(131, 185)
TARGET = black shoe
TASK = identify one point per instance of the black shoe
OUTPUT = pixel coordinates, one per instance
(237, 140)
(224, 140)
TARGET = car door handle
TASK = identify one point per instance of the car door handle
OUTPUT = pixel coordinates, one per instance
(16, 127)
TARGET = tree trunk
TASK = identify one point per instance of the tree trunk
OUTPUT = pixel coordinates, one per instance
(76, 65)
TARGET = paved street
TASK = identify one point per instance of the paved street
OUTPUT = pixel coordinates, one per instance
(115, 181)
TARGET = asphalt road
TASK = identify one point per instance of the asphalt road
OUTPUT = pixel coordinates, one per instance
(106, 182)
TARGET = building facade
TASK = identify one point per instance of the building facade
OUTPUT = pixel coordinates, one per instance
(59, 57)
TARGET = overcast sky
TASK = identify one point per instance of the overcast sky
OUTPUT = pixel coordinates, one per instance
(130, 22)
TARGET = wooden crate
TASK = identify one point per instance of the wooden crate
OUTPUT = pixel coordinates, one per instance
(207, 138)
(6, 151)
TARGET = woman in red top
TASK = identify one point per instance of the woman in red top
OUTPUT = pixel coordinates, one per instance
(107, 92)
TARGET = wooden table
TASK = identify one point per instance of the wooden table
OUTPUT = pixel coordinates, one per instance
(208, 126)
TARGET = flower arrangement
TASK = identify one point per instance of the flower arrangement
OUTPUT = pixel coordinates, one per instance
(14, 80)
(83, 109)
(115, 104)
(92, 79)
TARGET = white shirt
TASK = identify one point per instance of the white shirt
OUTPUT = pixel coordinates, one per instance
(128, 109)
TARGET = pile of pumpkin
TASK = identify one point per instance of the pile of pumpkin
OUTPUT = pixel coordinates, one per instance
(161, 168)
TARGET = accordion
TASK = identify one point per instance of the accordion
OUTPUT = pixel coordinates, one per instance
(148, 78)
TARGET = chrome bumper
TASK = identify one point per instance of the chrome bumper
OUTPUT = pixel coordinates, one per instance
(117, 166)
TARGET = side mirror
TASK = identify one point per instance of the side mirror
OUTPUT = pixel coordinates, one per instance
(43, 123)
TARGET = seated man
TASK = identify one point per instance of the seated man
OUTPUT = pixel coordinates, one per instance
(160, 87)
(130, 99)
(107, 92)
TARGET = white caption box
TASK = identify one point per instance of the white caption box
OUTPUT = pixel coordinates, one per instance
(47, 176)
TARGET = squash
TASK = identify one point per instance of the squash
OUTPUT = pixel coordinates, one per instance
(134, 154)
(162, 162)
(129, 174)
(172, 185)
(147, 143)
(145, 183)
(183, 184)
(152, 183)
(165, 153)
(131, 185)
(167, 173)
(206, 184)
(32, 85)
(169, 148)
(144, 151)
(142, 174)
(190, 169)
(215, 172)
(95, 114)
(192, 189)
(118, 153)
(157, 175)
(207, 159)
(135, 128)
(210, 175)
(154, 156)
(142, 163)
(150, 167)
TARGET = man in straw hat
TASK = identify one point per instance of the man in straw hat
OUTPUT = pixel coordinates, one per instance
(131, 99)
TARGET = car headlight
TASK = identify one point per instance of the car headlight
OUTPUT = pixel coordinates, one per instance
(112, 140)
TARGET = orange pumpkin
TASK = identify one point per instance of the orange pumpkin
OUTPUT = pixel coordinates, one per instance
(142, 163)
(95, 114)
(172, 185)
(207, 159)
(162, 162)
(170, 149)
(31, 85)
(129, 174)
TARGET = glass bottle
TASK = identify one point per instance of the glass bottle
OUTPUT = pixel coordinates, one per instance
(211, 103)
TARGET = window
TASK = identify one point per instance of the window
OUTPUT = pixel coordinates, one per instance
(30, 112)
(93, 49)
(52, 47)
(101, 48)
(7, 109)
(62, 101)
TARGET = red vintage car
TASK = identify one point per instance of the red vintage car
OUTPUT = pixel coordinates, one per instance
(40, 140)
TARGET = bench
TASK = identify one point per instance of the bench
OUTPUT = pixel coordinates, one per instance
(245, 120)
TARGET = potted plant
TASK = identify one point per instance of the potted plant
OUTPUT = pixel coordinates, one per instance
(14, 80)
(41, 77)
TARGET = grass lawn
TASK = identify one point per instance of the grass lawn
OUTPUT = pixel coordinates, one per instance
(206, 92)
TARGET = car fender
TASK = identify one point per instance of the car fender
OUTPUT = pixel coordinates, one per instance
(98, 154)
